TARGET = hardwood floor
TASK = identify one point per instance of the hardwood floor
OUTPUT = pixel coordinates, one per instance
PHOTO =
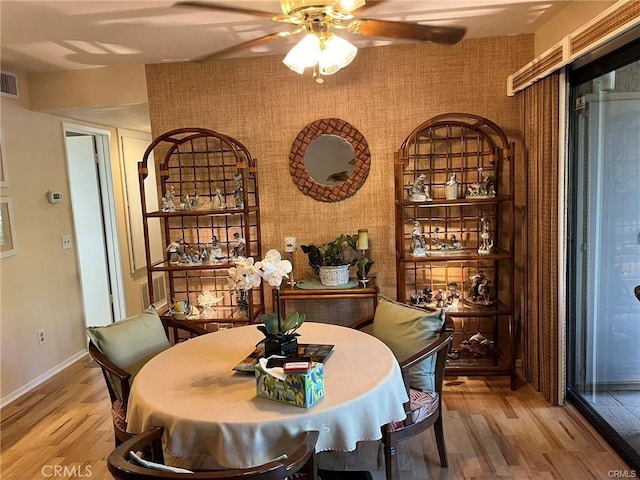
(62, 430)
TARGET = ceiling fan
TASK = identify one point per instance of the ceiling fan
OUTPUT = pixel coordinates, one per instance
(320, 48)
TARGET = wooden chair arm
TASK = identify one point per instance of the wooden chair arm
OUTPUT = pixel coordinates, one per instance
(109, 368)
(360, 324)
(433, 348)
(103, 361)
(304, 455)
(119, 465)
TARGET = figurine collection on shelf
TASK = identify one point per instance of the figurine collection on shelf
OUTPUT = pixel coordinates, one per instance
(419, 191)
(477, 346)
(438, 245)
(181, 253)
(447, 299)
(444, 246)
(171, 202)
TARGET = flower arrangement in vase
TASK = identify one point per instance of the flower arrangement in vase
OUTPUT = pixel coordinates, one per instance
(280, 334)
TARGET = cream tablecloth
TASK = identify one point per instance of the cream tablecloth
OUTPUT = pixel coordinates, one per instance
(206, 408)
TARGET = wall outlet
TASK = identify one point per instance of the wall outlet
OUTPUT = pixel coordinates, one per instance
(66, 242)
(41, 337)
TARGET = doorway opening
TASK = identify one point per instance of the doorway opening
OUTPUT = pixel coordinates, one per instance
(94, 218)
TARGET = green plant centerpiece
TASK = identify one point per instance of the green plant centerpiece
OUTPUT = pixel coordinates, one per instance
(331, 260)
(280, 334)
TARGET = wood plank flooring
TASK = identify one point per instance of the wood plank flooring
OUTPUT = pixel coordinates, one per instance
(491, 433)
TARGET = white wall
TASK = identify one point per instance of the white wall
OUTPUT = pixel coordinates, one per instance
(40, 286)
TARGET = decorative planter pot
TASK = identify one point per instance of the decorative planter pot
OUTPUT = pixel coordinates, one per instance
(331, 276)
(279, 346)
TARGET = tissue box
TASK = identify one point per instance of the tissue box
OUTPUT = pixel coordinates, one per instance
(300, 389)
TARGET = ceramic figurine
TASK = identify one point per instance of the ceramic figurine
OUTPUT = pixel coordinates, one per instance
(451, 187)
(168, 202)
(215, 251)
(238, 198)
(486, 245)
(418, 241)
(239, 248)
(483, 188)
(206, 299)
(174, 249)
(419, 191)
(480, 290)
(218, 201)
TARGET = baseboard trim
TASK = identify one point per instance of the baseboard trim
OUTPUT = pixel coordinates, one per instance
(4, 401)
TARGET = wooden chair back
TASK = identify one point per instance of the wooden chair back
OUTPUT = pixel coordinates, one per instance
(118, 380)
(391, 435)
(301, 460)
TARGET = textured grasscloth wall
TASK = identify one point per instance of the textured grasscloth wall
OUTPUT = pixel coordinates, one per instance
(384, 93)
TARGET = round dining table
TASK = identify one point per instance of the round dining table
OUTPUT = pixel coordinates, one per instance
(209, 409)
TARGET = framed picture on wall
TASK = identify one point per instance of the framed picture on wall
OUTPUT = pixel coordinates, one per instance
(4, 176)
(7, 230)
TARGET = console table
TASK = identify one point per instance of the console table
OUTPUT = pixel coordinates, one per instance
(291, 293)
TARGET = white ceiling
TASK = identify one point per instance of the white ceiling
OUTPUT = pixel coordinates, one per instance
(54, 35)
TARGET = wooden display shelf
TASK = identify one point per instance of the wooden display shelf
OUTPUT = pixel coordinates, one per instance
(200, 213)
(441, 202)
(464, 254)
(434, 153)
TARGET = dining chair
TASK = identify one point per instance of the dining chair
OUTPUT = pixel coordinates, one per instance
(122, 348)
(420, 340)
(123, 467)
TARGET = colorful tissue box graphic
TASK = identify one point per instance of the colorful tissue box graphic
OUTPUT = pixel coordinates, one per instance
(299, 389)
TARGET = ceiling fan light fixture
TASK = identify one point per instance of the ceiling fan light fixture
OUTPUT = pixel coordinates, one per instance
(304, 54)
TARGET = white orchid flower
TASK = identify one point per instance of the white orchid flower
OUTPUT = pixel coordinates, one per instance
(272, 268)
(245, 275)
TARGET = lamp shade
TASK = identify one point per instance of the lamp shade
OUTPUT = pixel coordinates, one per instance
(304, 54)
(336, 53)
(363, 239)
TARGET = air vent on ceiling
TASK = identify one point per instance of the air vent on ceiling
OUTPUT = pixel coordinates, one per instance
(9, 84)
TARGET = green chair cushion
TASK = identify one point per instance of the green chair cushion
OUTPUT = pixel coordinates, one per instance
(406, 330)
(131, 342)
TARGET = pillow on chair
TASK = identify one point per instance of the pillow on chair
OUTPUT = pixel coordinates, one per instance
(406, 330)
(131, 342)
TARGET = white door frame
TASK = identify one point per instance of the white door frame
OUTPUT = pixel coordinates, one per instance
(102, 138)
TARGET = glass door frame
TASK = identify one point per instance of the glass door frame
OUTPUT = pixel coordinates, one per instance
(577, 76)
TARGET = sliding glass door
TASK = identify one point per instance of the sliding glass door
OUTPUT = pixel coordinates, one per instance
(604, 248)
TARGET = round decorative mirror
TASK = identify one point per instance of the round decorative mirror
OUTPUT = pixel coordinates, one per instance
(329, 160)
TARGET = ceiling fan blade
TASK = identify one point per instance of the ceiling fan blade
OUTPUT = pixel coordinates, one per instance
(408, 31)
(246, 45)
(226, 8)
